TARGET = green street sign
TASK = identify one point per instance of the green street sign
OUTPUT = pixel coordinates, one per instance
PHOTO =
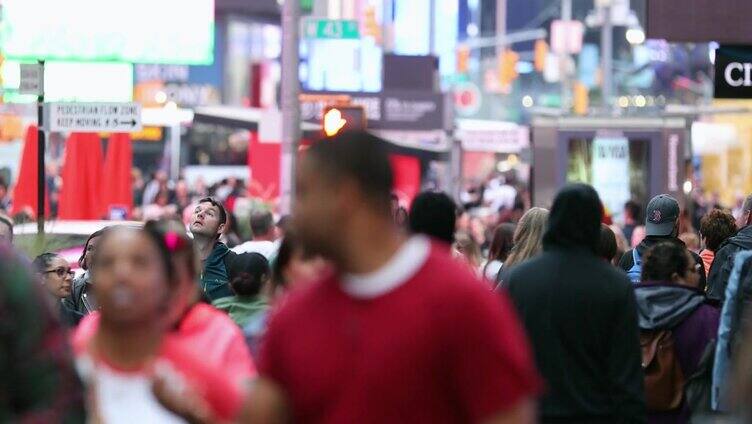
(331, 29)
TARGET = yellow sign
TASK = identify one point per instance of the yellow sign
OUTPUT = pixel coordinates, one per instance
(11, 128)
(148, 134)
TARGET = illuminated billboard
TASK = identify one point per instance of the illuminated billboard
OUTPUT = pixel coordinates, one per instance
(140, 31)
(73, 82)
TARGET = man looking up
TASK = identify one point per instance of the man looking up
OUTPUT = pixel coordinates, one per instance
(384, 336)
(207, 224)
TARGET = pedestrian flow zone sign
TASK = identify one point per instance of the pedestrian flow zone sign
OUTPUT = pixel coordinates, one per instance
(94, 117)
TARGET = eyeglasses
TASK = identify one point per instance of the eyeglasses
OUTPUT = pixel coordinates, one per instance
(61, 272)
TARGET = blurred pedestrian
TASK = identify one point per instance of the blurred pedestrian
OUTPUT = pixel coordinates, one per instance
(435, 215)
(478, 233)
(82, 298)
(528, 241)
(607, 244)
(264, 236)
(138, 186)
(631, 218)
(674, 315)
(160, 208)
(5, 201)
(283, 225)
(231, 236)
(740, 380)
(38, 382)
(622, 243)
(196, 325)
(691, 241)
(736, 318)
(581, 316)
(57, 278)
(467, 250)
(158, 183)
(723, 262)
(127, 348)
(208, 222)
(501, 247)
(293, 268)
(661, 224)
(715, 228)
(6, 230)
(182, 195)
(384, 337)
(251, 273)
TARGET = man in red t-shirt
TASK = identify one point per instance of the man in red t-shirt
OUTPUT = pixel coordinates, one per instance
(398, 331)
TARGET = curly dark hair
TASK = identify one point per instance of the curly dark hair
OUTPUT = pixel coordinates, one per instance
(717, 226)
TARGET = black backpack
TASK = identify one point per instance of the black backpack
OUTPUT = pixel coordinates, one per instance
(699, 386)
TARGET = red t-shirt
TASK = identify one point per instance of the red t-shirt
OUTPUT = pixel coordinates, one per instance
(421, 340)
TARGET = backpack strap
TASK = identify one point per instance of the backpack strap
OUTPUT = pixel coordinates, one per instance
(636, 257)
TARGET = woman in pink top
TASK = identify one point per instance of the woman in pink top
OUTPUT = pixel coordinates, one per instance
(200, 327)
(126, 348)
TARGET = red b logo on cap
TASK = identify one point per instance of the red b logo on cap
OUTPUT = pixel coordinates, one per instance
(656, 216)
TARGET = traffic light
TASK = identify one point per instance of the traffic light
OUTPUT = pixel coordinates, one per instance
(507, 68)
(539, 55)
(338, 118)
(463, 59)
(581, 98)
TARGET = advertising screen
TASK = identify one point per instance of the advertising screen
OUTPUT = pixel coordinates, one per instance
(617, 167)
(140, 31)
(74, 82)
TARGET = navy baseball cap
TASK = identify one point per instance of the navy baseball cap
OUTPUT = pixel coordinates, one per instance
(661, 215)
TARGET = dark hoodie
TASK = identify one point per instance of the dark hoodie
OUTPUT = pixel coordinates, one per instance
(581, 317)
(627, 262)
(215, 276)
(694, 323)
(723, 263)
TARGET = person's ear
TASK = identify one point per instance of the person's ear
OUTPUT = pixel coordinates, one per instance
(675, 278)
(221, 228)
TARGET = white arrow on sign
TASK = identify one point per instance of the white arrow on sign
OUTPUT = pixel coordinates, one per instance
(94, 117)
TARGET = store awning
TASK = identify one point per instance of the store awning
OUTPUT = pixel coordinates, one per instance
(239, 117)
(430, 145)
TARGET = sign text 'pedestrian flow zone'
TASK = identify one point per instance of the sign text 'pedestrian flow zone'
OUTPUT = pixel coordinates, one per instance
(95, 117)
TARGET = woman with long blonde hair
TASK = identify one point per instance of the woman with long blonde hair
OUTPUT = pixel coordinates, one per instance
(528, 240)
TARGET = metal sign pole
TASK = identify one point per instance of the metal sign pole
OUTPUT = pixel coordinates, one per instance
(290, 103)
(40, 157)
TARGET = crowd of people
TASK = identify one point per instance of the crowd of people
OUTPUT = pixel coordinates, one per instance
(357, 309)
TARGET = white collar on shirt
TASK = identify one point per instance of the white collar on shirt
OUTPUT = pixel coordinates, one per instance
(398, 270)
